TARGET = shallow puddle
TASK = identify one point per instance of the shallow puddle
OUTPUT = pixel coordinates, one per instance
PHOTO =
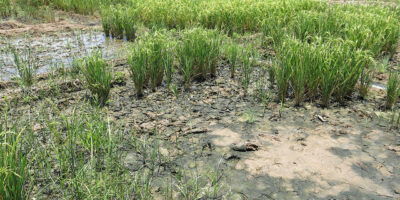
(54, 50)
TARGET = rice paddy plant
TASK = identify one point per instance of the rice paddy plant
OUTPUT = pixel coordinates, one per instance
(5, 8)
(168, 62)
(324, 67)
(138, 66)
(198, 53)
(151, 57)
(129, 26)
(366, 77)
(160, 58)
(26, 67)
(248, 58)
(395, 120)
(271, 76)
(392, 90)
(114, 21)
(295, 65)
(232, 53)
(283, 74)
(98, 77)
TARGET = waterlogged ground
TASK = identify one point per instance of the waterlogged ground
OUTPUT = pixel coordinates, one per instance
(54, 50)
(262, 151)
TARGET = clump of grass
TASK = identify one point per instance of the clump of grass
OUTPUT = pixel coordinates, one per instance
(157, 59)
(119, 21)
(198, 54)
(150, 58)
(5, 8)
(138, 63)
(168, 62)
(247, 66)
(26, 67)
(98, 77)
(232, 53)
(320, 68)
(392, 90)
(129, 26)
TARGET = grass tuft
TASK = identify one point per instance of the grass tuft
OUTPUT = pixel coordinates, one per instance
(98, 77)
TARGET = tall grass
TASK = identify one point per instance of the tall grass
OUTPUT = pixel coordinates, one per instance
(392, 90)
(98, 77)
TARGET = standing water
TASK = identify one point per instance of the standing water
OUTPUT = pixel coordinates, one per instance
(56, 49)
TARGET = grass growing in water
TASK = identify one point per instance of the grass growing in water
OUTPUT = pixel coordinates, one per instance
(98, 77)
(26, 67)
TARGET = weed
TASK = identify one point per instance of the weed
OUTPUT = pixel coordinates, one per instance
(249, 115)
(119, 78)
(98, 77)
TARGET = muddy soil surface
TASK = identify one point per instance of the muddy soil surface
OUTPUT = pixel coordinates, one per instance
(272, 152)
